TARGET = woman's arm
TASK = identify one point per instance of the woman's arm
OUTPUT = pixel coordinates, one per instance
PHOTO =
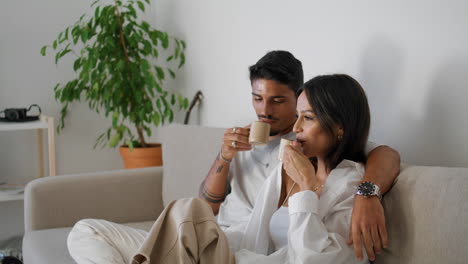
(315, 240)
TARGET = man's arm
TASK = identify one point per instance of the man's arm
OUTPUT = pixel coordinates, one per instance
(368, 219)
(214, 189)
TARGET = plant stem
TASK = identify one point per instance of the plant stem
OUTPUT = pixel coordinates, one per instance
(127, 59)
(122, 40)
(141, 137)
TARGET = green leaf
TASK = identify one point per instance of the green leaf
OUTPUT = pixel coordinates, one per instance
(147, 47)
(171, 73)
(158, 88)
(182, 60)
(173, 100)
(147, 1)
(144, 66)
(183, 44)
(145, 25)
(155, 53)
(148, 131)
(186, 103)
(132, 11)
(170, 58)
(156, 119)
(171, 116)
(160, 73)
(141, 6)
(43, 50)
(115, 140)
(84, 36)
(96, 12)
(54, 45)
(115, 117)
(120, 65)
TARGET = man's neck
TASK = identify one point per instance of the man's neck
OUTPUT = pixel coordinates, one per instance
(282, 133)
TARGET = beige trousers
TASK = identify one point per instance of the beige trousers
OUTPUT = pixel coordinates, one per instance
(185, 232)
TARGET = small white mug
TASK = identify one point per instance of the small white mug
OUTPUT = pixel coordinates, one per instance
(259, 133)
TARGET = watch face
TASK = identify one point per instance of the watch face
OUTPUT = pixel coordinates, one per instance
(366, 188)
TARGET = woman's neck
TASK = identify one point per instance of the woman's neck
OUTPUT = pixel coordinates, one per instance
(322, 171)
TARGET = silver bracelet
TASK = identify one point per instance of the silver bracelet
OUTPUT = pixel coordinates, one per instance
(223, 158)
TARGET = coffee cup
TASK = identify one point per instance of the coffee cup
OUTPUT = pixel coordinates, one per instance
(284, 142)
(259, 133)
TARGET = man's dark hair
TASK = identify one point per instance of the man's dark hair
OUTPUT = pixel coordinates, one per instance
(339, 99)
(280, 66)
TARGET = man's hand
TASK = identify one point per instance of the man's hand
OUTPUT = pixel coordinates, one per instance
(235, 139)
(368, 227)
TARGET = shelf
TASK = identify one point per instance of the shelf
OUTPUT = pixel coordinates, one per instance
(44, 122)
(12, 126)
(11, 197)
(10, 192)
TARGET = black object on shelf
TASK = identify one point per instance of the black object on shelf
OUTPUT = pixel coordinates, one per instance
(19, 114)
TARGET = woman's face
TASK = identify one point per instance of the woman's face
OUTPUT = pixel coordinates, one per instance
(314, 140)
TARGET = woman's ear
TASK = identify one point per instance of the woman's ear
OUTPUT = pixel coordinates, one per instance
(339, 132)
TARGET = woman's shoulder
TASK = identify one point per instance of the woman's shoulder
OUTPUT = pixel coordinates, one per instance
(347, 175)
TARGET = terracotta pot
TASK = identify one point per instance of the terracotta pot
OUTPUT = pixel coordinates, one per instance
(142, 157)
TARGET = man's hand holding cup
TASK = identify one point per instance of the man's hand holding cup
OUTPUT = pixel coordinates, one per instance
(242, 138)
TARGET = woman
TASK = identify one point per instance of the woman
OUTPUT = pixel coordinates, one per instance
(301, 214)
(315, 187)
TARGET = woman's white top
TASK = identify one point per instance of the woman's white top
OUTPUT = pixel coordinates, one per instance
(279, 225)
(318, 228)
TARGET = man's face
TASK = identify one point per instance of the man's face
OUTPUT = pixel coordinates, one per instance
(274, 103)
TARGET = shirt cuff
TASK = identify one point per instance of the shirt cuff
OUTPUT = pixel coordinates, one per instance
(303, 202)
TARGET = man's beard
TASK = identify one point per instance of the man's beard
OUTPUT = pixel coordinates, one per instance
(274, 133)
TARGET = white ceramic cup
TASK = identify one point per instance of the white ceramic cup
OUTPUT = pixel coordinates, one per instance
(284, 142)
(259, 133)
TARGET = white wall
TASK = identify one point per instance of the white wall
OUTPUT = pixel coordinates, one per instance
(410, 56)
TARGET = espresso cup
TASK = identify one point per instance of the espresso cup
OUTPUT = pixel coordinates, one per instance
(259, 133)
(284, 142)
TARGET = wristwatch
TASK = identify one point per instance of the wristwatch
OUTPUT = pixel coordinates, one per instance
(368, 189)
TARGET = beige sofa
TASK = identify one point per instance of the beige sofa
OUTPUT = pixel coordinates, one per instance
(426, 212)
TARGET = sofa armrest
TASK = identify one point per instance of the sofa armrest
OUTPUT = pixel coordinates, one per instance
(120, 196)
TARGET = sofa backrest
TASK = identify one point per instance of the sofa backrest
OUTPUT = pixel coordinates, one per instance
(426, 210)
(427, 216)
(188, 153)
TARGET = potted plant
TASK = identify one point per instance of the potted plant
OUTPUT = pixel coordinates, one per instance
(121, 65)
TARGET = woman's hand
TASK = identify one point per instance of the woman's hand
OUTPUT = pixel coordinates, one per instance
(299, 168)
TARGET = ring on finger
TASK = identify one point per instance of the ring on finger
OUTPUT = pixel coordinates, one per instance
(234, 144)
(234, 129)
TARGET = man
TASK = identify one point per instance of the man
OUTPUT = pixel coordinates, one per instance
(240, 170)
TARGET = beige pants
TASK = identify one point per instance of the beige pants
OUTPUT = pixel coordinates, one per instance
(185, 232)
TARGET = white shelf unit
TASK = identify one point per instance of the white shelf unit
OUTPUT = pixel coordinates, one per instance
(44, 122)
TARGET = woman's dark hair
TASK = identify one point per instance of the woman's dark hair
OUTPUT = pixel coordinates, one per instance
(339, 99)
(280, 66)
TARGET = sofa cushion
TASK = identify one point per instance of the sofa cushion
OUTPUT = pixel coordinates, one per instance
(426, 215)
(188, 153)
(50, 245)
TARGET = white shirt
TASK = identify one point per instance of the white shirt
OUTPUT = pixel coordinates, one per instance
(318, 228)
